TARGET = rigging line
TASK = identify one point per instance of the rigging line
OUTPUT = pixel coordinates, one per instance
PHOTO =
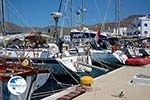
(65, 9)
(67, 20)
(98, 11)
(42, 95)
(105, 16)
(18, 14)
(7, 17)
(69, 72)
(58, 82)
(103, 64)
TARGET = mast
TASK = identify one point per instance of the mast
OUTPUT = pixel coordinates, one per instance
(3, 16)
(71, 8)
(82, 10)
(80, 14)
(117, 15)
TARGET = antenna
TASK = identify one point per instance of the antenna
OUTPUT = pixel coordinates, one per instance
(56, 16)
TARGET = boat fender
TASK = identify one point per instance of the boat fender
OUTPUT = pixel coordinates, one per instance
(86, 80)
(86, 69)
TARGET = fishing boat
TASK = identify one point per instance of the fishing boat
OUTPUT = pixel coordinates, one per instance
(35, 77)
(42, 78)
(12, 71)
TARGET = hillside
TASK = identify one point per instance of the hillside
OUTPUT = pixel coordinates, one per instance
(16, 28)
(123, 23)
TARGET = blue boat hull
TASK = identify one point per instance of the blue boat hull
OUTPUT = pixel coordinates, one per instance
(107, 59)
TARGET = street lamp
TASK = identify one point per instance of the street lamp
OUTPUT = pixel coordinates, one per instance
(56, 16)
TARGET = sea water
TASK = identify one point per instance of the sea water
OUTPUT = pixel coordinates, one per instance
(57, 83)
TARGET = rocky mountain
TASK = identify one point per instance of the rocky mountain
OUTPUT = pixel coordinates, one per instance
(10, 27)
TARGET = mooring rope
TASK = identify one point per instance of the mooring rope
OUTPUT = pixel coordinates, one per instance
(58, 82)
(48, 93)
(40, 94)
(104, 64)
(70, 73)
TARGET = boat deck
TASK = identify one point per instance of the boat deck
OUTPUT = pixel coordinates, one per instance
(116, 86)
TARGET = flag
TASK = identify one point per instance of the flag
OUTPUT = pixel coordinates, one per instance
(97, 35)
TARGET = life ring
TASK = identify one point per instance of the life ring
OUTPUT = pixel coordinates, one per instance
(53, 49)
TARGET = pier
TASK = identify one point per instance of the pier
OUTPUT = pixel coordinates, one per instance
(116, 85)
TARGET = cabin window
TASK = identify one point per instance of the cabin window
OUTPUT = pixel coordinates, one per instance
(145, 24)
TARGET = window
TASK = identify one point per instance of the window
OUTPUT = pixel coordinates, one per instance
(65, 37)
(145, 24)
(145, 32)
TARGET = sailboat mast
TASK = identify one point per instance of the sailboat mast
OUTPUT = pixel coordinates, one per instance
(117, 15)
(82, 11)
(3, 16)
(71, 8)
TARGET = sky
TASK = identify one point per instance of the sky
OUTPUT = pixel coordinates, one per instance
(38, 12)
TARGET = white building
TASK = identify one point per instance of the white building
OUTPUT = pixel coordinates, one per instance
(145, 26)
(140, 27)
(122, 31)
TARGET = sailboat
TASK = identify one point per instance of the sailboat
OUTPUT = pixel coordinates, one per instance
(103, 57)
(102, 53)
(50, 56)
